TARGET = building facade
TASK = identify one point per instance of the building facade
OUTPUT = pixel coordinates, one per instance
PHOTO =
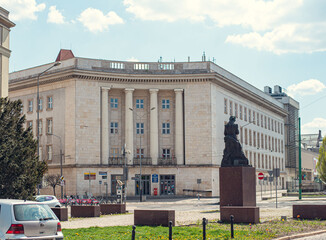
(107, 116)
(5, 25)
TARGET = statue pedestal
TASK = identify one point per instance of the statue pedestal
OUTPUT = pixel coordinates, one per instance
(238, 194)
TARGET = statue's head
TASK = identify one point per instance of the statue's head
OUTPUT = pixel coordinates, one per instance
(232, 119)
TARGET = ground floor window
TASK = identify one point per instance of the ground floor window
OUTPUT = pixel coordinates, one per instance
(146, 184)
(167, 184)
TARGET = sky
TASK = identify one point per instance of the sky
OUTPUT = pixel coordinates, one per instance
(264, 42)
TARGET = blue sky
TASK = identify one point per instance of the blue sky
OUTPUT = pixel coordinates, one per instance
(265, 42)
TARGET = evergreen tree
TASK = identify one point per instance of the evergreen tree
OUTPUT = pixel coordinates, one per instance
(20, 169)
(321, 165)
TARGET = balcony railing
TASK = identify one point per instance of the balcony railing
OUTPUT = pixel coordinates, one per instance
(116, 160)
(167, 161)
(144, 161)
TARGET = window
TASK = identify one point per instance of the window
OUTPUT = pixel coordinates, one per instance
(246, 137)
(117, 65)
(49, 152)
(40, 104)
(262, 141)
(265, 122)
(281, 128)
(140, 153)
(49, 126)
(254, 137)
(241, 136)
(140, 128)
(165, 103)
(29, 124)
(258, 140)
(245, 114)
(30, 105)
(165, 128)
(114, 128)
(262, 121)
(265, 141)
(269, 142)
(40, 127)
(166, 153)
(114, 102)
(249, 114)
(254, 117)
(225, 106)
(240, 112)
(114, 152)
(139, 103)
(278, 127)
(231, 108)
(236, 110)
(166, 66)
(269, 124)
(49, 102)
(257, 119)
(250, 138)
(262, 161)
(141, 66)
(272, 125)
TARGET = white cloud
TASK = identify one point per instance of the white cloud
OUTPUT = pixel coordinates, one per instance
(314, 126)
(22, 9)
(295, 38)
(132, 59)
(276, 26)
(307, 87)
(55, 16)
(95, 21)
(256, 14)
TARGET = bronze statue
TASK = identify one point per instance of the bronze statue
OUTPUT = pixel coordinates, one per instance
(233, 154)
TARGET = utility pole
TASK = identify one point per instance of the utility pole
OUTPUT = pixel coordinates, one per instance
(300, 172)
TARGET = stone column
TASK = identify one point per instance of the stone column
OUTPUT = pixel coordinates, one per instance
(179, 126)
(129, 126)
(154, 126)
(105, 126)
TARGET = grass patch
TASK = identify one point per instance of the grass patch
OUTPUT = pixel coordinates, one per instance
(266, 230)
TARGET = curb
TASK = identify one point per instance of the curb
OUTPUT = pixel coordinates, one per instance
(301, 235)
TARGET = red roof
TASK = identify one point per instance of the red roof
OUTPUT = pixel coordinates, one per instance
(64, 54)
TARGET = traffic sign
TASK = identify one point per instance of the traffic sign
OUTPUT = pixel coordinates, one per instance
(62, 178)
(260, 176)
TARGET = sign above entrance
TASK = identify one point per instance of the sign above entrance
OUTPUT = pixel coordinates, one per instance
(154, 178)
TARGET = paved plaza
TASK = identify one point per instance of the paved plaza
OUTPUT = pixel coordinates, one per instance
(191, 210)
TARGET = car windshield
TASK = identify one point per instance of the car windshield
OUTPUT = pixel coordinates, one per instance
(32, 212)
(44, 198)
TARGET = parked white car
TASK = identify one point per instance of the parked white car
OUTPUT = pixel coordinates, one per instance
(28, 220)
(49, 200)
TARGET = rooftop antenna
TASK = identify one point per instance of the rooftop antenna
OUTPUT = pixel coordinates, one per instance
(203, 57)
(188, 58)
(160, 58)
(214, 60)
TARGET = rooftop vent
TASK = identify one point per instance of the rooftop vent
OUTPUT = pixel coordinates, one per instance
(277, 89)
(268, 90)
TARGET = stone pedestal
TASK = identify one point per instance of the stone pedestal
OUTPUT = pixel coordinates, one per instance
(238, 194)
(85, 211)
(154, 217)
(241, 214)
(61, 213)
(237, 186)
(112, 208)
(309, 211)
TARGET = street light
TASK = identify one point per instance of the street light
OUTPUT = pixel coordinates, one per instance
(60, 161)
(38, 105)
(140, 175)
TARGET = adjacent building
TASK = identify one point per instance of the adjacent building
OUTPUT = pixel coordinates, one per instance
(5, 25)
(108, 116)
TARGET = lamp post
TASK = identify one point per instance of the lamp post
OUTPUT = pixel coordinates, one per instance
(140, 157)
(60, 161)
(38, 104)
(300, 171)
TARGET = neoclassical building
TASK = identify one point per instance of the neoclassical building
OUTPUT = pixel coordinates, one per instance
(107, 116)
(5, 25)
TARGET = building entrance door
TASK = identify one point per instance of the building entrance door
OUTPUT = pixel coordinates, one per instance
(146, 184)
(167, 184)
